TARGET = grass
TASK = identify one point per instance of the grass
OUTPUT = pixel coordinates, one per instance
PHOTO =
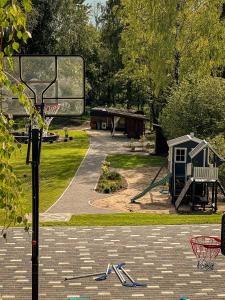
(59, 161)
(136, 219)
(128, 161)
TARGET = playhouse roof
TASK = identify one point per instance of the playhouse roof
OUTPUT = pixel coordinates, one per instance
(198, 149)
(183, 139)
(202, 146)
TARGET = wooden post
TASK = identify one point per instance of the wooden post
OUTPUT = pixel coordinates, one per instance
(193, 195)
(213, 193)
(216, 192)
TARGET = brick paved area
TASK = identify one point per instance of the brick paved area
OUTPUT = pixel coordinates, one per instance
(158, 255)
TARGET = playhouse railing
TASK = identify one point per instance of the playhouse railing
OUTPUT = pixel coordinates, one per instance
(206, 173)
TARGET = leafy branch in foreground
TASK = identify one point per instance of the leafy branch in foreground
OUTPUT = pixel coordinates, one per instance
(13, 35)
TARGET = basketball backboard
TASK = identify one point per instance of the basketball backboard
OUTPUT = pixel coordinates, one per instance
(52, 79)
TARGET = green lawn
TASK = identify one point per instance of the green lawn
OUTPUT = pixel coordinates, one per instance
(128, 161)
(132, 219)
(59, 161)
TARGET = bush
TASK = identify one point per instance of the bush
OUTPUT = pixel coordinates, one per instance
(107, 185)
(105, 168)
(196, 105)
(113, 175)
(110, 181)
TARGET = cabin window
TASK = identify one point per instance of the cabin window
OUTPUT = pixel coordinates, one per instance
(180, 155)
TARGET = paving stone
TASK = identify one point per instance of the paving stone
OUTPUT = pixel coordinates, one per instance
(168, 273)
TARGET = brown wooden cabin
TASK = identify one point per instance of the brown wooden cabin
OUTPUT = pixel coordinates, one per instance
(132, 124)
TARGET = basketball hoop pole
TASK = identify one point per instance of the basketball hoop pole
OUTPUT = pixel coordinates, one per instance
(36, 139)
(35, 132)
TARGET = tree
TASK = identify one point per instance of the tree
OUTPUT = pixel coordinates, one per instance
(196, 105)
(40, 23)
(163, 41)
(110, 30)
(13, 35)
(63, 27)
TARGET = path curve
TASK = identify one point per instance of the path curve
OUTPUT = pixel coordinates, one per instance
(81, 190)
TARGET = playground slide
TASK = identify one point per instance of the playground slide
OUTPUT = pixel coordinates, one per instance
(183, 192)
(151, 186)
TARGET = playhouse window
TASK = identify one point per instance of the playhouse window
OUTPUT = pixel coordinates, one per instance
(180, 155)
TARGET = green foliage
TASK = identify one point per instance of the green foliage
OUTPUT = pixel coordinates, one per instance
(166, 41)
(114, 176)
(108, 186)
(105, 168)
(13, 35)
(196, 105)
(66, 132)
(110, 181)
(147, 44)
(158, 30)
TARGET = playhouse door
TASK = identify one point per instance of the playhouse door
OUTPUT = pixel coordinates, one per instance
(180, 174)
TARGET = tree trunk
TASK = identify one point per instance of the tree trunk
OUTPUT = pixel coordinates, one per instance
(177, 53)
(161, 147)
(129, 93)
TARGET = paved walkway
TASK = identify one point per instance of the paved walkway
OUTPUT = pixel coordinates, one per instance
(75, 199)
(160, 256)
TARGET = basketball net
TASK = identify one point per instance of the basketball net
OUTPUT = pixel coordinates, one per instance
(50, 109)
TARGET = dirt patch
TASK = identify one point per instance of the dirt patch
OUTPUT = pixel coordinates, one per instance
(137, 180)
(152, 202)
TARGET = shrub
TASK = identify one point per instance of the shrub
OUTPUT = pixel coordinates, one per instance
(66, 132)
(105, 168)
(107, 186)
(113, 175)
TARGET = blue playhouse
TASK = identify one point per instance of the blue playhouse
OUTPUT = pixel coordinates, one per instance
(193, 174)
(193, 165)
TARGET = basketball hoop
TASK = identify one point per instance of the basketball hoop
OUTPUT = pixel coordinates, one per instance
(50, 111)
(206, 249)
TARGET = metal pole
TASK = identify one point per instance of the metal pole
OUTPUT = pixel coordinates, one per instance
(119, 275)
(35, 212)
(85, 276)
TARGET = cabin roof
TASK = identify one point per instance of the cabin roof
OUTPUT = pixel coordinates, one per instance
(119, 113)
(183, 139)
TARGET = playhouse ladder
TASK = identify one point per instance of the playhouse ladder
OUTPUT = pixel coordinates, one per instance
(183, 192)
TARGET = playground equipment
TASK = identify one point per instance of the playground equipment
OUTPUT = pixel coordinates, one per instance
(49, 80)
(193, 174)
(193, 165)
(152, 185)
